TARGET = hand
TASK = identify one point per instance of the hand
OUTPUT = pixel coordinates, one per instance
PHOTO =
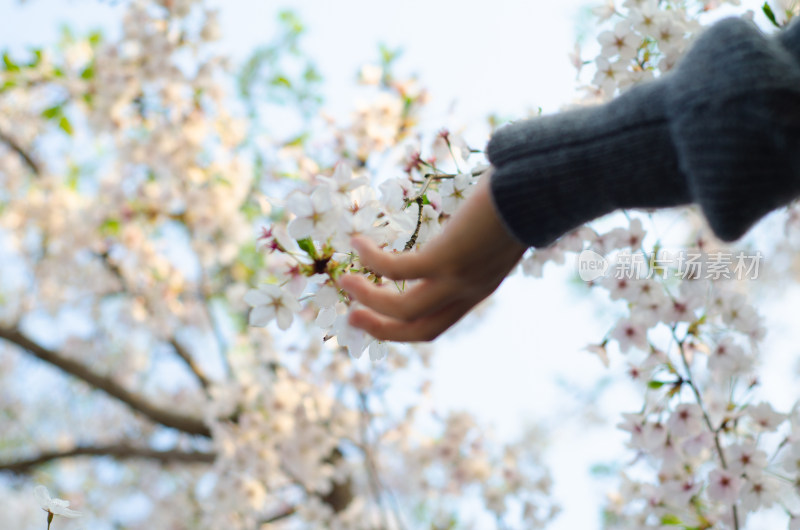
(457, 269)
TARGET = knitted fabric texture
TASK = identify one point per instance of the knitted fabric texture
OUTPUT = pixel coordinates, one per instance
(722, 130)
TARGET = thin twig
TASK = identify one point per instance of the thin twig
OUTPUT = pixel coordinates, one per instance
(413, 241)
(690, 381)
(196, 369)
(120, 451)
(14, 146)
(419, 199)
(180, 422)
(182, 352)
(288, 512)
(372, 469)
(372, 472)
(205, 302)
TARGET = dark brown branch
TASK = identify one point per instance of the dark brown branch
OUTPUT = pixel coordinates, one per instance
(14, 146)
(413, 241)
(121, 451)
(184, 354)
(157, 414)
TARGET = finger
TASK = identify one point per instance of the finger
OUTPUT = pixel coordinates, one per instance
(397, 266)
(420, 330)
(418, 301)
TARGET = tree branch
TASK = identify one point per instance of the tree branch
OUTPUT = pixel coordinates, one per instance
(14, 146)
(165, 417)
(121, 451)
(184, 354)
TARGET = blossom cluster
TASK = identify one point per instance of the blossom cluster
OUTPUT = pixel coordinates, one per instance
(310, 253)
(646, 38)
(708, 451)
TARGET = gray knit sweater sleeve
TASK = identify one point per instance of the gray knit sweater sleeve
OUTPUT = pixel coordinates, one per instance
(722, 131)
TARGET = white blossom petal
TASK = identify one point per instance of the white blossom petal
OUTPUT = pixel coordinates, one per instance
(285, 317)
(256, 297)
(300, 227)
(262, 315)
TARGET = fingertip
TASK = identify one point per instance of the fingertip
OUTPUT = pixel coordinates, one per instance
(346, 282)
(352, 318)
(368, 252)
(358, 318)
(361, 244)
(351, 285)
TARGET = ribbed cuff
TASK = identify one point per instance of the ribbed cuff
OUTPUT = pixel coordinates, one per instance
(554, 173)
(734, 112)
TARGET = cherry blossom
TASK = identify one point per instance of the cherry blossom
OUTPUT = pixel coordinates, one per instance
(629, 333)
(313, 214)
(271, 302)
(619, 42)
(724, 486)
(53, 506)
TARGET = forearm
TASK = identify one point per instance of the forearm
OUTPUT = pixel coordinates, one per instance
(555, 173)
(722, 131)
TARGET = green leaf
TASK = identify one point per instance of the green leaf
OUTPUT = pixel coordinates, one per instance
(655, 385)
(291, 21)
(280, 80)
(388, 56)
(670, 519)
(307, 245)
(37, 58)
(770, 14)
(73, 177)
(311, 75)
(65, 125)
(111, 227)
(297, 141)
(9, 63)
(52, 112)
(425, 199)
(95, 37)
(88, 72)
